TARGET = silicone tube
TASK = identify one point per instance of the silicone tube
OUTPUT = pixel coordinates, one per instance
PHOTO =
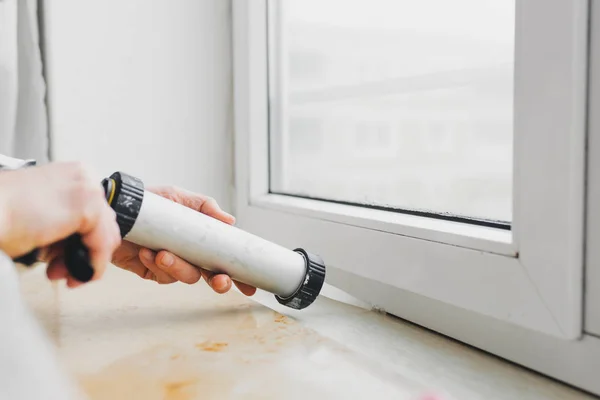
(213, 245)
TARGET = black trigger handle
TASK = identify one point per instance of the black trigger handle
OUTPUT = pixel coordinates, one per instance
(77, 259)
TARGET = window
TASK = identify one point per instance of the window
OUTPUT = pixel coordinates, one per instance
(403, 95)
(433, 153)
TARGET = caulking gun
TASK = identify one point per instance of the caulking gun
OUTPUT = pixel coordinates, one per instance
(149, 220)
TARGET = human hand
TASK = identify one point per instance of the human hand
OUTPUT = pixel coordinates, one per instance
(41, 206)
(165, 267)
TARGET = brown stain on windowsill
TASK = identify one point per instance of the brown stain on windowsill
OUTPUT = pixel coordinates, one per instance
(282, 319)
(180, 390)
(212, 346)
(230, 362)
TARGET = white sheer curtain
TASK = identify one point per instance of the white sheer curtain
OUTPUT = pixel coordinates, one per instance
(23, 120)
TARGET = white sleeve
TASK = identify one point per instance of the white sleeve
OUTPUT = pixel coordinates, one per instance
(29, 368)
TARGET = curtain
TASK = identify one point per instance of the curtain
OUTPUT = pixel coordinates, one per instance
(23, 116)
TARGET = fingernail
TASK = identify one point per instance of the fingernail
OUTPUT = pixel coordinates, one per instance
(216, 285)
(167, 260)
(147, 254)
(222, 284)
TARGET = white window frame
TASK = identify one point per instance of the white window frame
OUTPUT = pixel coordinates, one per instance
(592, 272)
(529, 280)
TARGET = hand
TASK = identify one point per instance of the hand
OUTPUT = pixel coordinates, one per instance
(164, 267)
(41, 206)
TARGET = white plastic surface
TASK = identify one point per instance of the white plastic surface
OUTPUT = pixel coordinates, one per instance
(216, 246)
(592, 265)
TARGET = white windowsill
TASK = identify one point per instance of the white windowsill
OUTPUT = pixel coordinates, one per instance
(425, 359)
(134, 334)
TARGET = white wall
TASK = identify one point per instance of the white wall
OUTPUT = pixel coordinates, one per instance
(143, 86)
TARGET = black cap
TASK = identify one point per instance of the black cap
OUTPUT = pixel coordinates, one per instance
(311, 286)
(124, 194)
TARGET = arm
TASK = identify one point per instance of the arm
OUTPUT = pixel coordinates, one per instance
(39, 207)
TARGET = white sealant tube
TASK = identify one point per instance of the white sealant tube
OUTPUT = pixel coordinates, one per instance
(213, 245)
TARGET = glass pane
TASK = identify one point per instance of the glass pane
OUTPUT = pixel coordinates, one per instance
(398, 103)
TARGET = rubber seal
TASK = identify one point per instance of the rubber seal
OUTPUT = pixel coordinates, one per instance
(125, 194)
(308, 292)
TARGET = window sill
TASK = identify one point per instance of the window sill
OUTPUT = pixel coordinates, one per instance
(422, 358)
(327, 345)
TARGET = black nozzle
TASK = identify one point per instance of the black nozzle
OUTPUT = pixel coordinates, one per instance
(311, 286)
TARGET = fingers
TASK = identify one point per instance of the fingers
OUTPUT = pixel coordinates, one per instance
(49, 253)
(72, 283)
(57, 270)
(97, 221)
(181, 270)
(220, 283)
(165, 267)
(102, 238)
(245, 289)
(177, 268)
(148, 258)
(211, 208)
(127, 257)
(201, 203)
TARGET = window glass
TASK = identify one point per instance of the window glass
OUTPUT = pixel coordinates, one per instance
(395, 103)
